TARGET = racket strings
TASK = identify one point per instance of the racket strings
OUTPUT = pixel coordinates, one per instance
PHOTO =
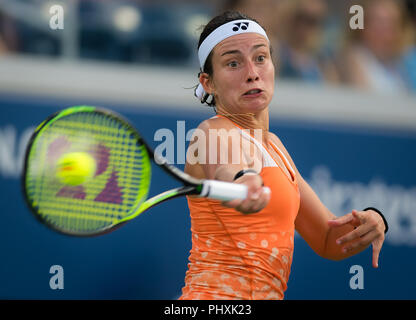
(120, 183)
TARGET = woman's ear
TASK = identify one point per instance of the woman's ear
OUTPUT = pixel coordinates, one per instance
(206, 81)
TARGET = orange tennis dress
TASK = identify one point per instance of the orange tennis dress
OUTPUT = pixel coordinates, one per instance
(244, 256)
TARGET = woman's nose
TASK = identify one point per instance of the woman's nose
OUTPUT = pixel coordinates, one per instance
(252, 74)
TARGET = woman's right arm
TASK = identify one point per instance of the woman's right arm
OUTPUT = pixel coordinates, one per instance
(215, 153)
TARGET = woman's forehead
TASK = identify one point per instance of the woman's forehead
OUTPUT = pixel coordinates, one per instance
(240, 42)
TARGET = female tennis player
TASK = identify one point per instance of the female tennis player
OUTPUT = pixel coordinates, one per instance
(242, 249)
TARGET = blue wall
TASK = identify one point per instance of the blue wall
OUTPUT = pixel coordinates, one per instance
(147, 258)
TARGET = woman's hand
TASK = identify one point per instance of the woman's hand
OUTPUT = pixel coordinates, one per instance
(257, 197)
(369, 229)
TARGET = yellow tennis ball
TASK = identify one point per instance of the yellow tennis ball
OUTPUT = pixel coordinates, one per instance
(74, 168)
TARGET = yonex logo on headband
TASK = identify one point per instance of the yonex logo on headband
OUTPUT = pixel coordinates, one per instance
(242, 25)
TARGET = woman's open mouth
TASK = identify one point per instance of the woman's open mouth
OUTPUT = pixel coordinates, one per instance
(253, 93)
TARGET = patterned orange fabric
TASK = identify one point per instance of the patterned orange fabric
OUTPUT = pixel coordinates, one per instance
(243, 256)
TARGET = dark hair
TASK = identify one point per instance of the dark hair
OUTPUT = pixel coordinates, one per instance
(215, 22)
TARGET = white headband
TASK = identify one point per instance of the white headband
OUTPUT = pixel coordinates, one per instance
(221, 33)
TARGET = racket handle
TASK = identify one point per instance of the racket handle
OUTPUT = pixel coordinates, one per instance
(224, 191)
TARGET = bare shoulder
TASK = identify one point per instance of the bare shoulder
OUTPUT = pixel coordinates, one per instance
(200, 146)
(215, 127)
(215, 123)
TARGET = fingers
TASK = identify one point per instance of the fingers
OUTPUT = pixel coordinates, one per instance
(371, 237)
(355, 234)
(377, 244)
(256, 202)
(350, 218)
(361, 242)
(257, 197)
(341, 221)
(359, 215)
(361, 237)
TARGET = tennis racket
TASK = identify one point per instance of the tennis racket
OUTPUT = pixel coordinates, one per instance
(118, 190)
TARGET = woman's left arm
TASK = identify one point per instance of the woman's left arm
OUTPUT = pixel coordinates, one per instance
(335, 237)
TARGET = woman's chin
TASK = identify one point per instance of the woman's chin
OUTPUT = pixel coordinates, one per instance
(255, 106)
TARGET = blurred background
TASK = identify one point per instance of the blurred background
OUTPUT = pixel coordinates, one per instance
(344, 106)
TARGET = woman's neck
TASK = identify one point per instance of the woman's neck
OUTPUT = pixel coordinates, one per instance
(248, 120)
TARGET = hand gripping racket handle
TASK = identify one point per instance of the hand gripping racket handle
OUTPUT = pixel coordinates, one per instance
(221, 190)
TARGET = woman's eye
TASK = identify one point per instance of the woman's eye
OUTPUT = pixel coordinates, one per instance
(261, 58)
